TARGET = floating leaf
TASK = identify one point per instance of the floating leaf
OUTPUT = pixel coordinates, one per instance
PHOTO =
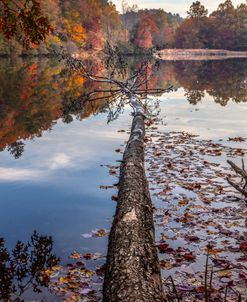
(75, 255)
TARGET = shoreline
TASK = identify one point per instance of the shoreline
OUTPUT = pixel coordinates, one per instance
(165, 54)
(198, 54)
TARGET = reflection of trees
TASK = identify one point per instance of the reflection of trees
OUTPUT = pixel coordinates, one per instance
(34, 95)
(119, 86)
(20, 269)
(28, 104)
(32, 98)
(224, 80)
(16, 149)
(194, 96)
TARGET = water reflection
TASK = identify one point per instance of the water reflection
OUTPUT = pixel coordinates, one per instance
(54, 187)
(21, 269)
(35, 94)
(224, 80)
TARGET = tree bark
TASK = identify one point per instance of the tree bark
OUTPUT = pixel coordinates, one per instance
(132, 268)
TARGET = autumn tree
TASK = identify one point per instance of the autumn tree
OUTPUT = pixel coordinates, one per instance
(128, 8)
(197, 10)
(151, 28)
(225, 28)
(144, 29)
(24, 20)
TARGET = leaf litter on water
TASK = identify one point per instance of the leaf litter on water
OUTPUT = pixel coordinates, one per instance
(194, 207)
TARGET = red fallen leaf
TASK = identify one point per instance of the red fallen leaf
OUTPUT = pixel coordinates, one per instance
(189, 256)
(185, 288)
(233, 249)
(220, 262)
(169, 250)
(197, 186)
(200, 289)
(242, 259)
(79, 263)
(114, 198)
(179, 259)
(162, 247)
(242, 276)
(225, 232)
(236, 139)
(100, 271)
(88, 256)
(193, 238)
(112, 172)
(44, 278)
(170, 166)
(243, 246)
(149, 123)
(181, 249)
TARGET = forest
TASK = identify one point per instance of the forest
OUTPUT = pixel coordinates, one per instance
(84, 27)
(94, 121)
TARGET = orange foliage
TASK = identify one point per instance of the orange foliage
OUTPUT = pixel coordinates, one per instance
(78, 33)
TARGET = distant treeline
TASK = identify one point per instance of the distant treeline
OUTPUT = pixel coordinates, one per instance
(85, 26)
(225, 28)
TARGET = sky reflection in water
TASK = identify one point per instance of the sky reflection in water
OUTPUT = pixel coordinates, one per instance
(54, 186)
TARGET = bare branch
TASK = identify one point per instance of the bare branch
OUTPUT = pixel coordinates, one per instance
(127, 88)
(243, 174)
(239, 171)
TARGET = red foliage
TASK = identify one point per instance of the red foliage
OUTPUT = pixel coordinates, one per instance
(24, 21)
(145, 27)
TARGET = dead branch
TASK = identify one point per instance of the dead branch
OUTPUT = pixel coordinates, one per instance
(242, 191)
(243, 174)
(127, 88)
(238, 170)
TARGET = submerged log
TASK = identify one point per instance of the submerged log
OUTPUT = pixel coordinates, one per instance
(132, 268)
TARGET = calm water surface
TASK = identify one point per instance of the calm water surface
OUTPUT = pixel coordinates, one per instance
(52, 185)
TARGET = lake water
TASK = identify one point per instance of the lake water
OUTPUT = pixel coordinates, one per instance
(51, 170)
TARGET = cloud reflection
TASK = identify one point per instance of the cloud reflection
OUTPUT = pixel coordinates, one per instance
(60, 160)
(18, 174)
(65, 152)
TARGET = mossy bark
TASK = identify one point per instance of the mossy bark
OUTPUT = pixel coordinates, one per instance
(132, 269)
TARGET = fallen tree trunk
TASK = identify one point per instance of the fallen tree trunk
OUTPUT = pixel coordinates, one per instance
(132, 269)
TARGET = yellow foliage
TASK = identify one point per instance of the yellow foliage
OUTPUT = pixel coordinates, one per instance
(78, 33)
(53, 40)
(79, 80)
(57, 70)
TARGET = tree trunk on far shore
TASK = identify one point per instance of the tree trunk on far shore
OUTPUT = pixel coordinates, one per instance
(132, 269)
